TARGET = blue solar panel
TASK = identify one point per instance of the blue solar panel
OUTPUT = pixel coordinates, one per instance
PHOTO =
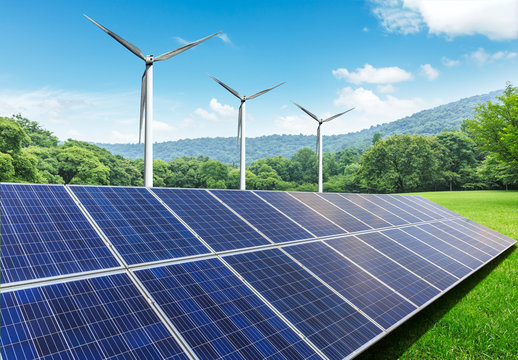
(443, 212)
(367, 202)
(261, 215)
(140, 228)
(443, 246)
(97, 318)
(338, 216)
(364, 291)
(44, 233)
(459, 244)
(411, 208)
(216, 224)
(322, 316)
(444, 260)
(299, 212)
(218, 315)
(358, 212)
(484, 235)
(425, 269)
(385, 202)
(386, 270)
(470, 239)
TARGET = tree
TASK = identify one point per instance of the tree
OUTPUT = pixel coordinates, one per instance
(375, 138)
(495, 126)
(400, 163)
(78, 165)
(6, 167)
(38, 135)
(12, 136)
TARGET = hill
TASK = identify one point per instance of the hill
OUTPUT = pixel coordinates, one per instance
(426, 122)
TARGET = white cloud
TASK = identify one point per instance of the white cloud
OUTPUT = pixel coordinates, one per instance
(370, 109)
(371, 75)
(222, 110)
(495, 19)
(389, 88)
(449, 62)
(365, 29)
(225, 38)
(204, 114)
(429, 72)
(181, 40)
(294, 124)
(481, 56)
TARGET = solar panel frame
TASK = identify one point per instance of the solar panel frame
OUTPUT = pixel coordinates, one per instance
(140, 228)
(218, 315)
(45, 234)
(273, 224)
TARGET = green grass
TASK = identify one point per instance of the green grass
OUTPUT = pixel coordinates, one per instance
(478, 319)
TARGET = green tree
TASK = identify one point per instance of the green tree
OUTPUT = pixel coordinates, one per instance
(6, 167)
(375, 138)
(38, 135)
(12, 136)
(78, 165)
(495, 126)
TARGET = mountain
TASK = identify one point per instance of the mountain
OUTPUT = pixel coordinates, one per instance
(426, 122)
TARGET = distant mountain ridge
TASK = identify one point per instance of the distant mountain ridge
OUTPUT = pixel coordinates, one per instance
(426, 122)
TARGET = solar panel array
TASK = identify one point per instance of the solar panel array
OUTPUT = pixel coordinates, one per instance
(124, 272)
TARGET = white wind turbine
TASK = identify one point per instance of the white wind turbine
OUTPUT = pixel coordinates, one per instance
(319, 140)
(241, 126)
(146, 97)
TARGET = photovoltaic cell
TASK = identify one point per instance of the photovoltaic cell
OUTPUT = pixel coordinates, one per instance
(386, 270)
(364, 291)
(261, 215)
(219, 316)
(431, 205)
(409, 207)
(367, 202)
(299, 212)
(104, 317)
(443, 246)
(140, 228)
(384, 202)
(419, 266)
(338, 216)
(495, 236)
(459, 244)
(444, 260)
(323, 317)
(44, 233)
(470, 239)
(358, 212)
(216, 224)
(478, 232)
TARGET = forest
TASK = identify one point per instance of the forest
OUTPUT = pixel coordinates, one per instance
(481, 154)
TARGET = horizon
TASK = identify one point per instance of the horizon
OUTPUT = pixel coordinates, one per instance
(389, 59)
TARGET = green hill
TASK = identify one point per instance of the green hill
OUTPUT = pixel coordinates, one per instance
(426, 122)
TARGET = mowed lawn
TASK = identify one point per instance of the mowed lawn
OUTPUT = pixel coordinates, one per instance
(478, 319)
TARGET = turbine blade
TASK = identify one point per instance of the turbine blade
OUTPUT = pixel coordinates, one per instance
(181, 49)
(135, 50)
(318, 139)
(232, 91)
(337, 115)
(143, 97)
(263, 92)
(240, 123)
(307, 112)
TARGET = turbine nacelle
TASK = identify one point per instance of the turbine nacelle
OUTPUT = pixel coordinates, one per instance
(150, 59)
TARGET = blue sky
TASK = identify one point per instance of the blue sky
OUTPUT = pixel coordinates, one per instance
(387, 58)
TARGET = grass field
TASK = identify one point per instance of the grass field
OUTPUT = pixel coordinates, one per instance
(478, 319)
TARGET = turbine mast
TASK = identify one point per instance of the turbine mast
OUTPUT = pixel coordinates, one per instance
(242, 163)
(320, 171)
(148, 143)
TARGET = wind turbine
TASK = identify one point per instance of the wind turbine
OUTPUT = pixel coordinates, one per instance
(241, 125)
(146, 97)
(319, 140)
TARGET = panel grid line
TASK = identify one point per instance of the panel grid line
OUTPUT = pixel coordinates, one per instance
(394, 205)
(373, 203)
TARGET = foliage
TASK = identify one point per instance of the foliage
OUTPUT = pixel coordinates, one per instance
(495, 126)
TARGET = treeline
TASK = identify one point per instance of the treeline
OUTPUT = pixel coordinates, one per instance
(482, 155)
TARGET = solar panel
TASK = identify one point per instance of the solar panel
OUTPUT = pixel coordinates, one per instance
(368, 203)
(363, 290)
(333, 213)
(44, 234)
(103, 317)
(323, 317)
(261, 215)
(217, 225)
(385, 269)
(246, 297)
(301, 213)
(140, 228)
(219, 316)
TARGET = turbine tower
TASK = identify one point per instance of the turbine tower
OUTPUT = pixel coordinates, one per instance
(241, 126)
(319, 140)
(146, 97)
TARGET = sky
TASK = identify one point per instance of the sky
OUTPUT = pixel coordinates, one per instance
(386, 58)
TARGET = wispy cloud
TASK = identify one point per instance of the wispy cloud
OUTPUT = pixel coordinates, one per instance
(481, 56)
(495, 19)
(449, 62)
(371, 75)
(225, 38)
(429, 72)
